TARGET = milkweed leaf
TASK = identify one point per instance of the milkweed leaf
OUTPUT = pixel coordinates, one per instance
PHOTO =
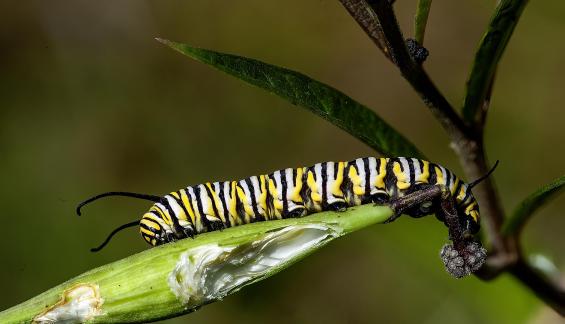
(531, 204)
(488, 55)
(317, 97)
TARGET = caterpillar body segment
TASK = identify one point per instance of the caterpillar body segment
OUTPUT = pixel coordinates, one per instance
(301, 191)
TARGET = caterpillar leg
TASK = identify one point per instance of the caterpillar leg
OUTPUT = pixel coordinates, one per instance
(296, 213)
(216, 225)
(188, 232)
(380, 198)
(168, 237)
(338, 206)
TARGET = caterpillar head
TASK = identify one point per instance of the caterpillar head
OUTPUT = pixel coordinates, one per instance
(151, 234)
(156, 231)
(151, 230)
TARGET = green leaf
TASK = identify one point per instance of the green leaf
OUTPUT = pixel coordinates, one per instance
(319, 98)
(421, 20)
(178, 278)
(531, 204)
(488, 55)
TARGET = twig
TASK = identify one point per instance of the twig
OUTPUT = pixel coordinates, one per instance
(505, 240)
(466, 144)
(551, 292)
(414, 73)
(467, 140)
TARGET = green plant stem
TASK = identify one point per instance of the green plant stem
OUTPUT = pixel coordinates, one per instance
(421, 20)
(488, 56)
(136, 289)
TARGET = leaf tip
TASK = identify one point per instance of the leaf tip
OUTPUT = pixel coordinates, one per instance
(179, 47)
(164, 41)
(182, 48)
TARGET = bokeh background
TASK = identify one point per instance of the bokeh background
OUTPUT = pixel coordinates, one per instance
(91, 103)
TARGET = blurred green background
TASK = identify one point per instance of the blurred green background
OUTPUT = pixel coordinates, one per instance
(91, 103)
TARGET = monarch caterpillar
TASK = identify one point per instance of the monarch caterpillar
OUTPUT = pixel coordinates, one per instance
(411, 186)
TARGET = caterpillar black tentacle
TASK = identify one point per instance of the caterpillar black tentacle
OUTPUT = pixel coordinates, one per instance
(298, 192)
